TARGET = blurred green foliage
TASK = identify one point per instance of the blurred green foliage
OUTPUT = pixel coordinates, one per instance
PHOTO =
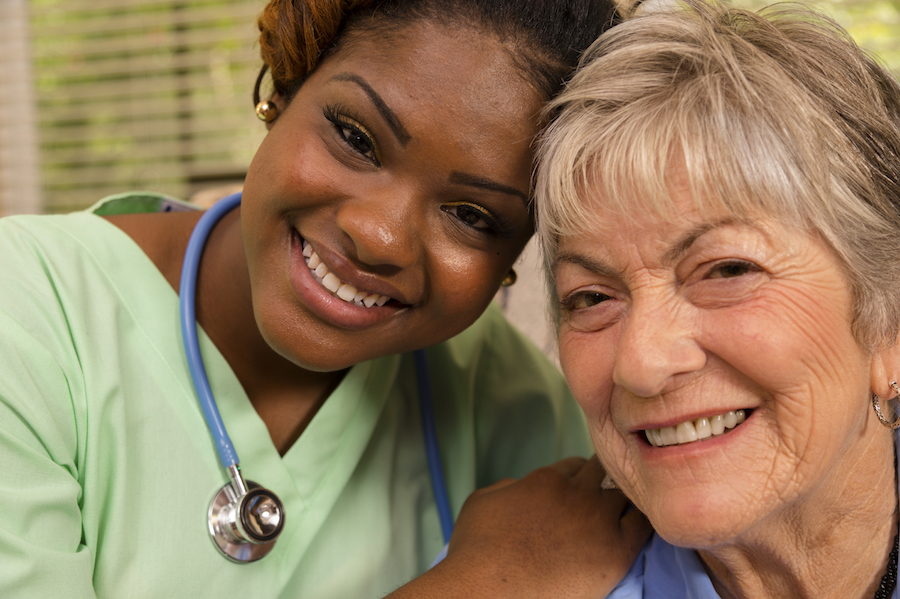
(874, 24)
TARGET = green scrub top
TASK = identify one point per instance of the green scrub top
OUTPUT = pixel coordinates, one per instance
(108, 467)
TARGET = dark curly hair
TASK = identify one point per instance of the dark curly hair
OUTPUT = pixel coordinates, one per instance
(548, 35)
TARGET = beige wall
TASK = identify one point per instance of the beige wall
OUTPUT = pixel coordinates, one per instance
(525, 303)
(19, 163)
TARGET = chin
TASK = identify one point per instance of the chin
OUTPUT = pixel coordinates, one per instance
(701, 519)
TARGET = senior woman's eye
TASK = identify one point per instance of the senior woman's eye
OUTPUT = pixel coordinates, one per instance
(584, 300)
(354, 134)
(590, 310)
(731, 269)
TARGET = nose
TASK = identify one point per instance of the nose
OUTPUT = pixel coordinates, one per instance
(383, 231)
(658, 342)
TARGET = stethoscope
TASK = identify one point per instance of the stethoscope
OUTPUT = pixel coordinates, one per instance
(245, 518)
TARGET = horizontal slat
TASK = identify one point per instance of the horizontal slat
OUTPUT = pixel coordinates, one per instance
(127, 109)
(152, 128)
(76, 7)
(230, 153)
(116, 25)
(160, 64)
(200, 40)
(158, 177)
(158, 85)
(167, 160)
(119, 108)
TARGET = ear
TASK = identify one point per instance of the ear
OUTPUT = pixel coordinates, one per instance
(885, 368)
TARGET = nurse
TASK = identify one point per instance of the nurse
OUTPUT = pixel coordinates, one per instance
(397, 165)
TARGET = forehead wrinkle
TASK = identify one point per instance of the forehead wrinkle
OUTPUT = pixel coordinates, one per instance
(685, 242)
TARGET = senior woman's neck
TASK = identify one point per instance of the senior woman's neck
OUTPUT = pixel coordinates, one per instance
(846, 527)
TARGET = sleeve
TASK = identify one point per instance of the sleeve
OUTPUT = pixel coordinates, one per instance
(525, 414)
(41, 549)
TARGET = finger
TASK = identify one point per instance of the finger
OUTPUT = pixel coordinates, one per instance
(569, 466)
(591, 473)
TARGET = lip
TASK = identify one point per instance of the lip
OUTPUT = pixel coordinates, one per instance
(676, 420)
(649, 452)
(334, 310)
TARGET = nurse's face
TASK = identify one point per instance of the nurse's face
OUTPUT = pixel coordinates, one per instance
(401, 169)
(671, 326)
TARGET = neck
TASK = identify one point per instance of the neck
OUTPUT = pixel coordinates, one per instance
(833, 543)
(284, 395)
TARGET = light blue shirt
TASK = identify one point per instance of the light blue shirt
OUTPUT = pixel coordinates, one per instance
(665, 571)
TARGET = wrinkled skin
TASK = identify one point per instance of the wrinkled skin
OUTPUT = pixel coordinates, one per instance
(670, 320)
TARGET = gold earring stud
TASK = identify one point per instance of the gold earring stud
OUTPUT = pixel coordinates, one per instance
(267, 111)
(510, 278)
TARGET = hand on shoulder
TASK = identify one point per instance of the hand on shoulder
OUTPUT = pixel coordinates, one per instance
(553, 533)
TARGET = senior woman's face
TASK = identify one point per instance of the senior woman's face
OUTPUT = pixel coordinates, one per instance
(668, 325)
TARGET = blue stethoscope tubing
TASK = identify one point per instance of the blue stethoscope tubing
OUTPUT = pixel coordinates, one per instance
(188, 292)
(224, 447)
(432, 450)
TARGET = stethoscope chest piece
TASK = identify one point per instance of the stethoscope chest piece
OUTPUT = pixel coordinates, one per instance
(244, 518)
(245, 526)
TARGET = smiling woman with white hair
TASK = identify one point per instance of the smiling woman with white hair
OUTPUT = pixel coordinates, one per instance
(719, 199)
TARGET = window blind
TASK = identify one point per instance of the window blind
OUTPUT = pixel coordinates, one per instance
(143, 94)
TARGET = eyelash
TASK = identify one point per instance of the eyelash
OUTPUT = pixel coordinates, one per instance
(337, 116)
(568, 303)
(718, 267)
(496, 225)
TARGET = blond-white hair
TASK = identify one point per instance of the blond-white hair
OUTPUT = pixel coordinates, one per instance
(776, 113)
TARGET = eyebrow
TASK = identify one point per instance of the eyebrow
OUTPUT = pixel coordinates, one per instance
(670, 256)
(404, 138)
(483, 183)
(687, 240)
(588, 264)
(381, 106)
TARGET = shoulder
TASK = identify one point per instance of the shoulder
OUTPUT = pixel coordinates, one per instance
(664, 571)
(504, 387)
(159, 225)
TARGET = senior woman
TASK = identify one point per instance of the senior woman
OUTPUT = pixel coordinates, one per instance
(720, 203)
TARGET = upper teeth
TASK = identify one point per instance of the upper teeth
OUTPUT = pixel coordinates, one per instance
(695, 430)
(345, 291)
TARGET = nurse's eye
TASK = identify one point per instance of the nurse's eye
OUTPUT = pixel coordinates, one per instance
(478, 218)
(354, 134)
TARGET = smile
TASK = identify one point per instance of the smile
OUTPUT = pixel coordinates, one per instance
(695, 430)
(332, 283)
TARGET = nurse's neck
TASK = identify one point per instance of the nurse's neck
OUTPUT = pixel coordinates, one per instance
(285, 396)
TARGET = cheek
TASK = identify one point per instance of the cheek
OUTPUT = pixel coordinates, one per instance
(587, 360)
(463, 279)
(798, 350)
(460, 288)
(788, 342)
